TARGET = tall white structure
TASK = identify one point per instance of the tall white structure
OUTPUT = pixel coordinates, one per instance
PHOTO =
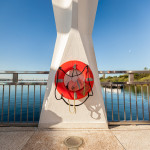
(74, 22)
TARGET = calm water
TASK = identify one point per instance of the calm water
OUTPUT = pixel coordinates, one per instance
(127, 103)
(24, 103)
(37, 103)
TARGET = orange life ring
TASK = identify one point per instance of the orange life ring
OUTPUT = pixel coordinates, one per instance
(80, 88)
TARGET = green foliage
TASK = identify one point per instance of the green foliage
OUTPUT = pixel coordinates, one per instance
(140, 76)
(143, 77)
(145, 68)
(121, 78)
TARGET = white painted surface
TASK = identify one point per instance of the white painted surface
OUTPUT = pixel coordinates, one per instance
(74, 23)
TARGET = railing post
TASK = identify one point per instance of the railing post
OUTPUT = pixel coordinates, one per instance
(131, 77)
(15, 77)
(104, 76)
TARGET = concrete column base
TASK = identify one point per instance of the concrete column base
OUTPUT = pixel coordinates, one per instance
(75, 125)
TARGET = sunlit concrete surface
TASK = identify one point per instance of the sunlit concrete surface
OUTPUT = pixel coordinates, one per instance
(14, 138)
(133, 137)
(115, 138)
(93, 140)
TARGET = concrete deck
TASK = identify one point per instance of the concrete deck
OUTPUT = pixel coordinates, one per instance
(116, 138)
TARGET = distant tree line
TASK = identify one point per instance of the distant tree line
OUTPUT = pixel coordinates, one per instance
(143, 77)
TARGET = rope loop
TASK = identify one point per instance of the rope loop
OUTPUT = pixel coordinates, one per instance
(62, 98)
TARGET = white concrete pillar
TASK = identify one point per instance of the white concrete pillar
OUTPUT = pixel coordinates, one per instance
(131, 77)
(74, 22)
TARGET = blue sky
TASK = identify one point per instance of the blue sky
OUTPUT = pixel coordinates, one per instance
(121, 34)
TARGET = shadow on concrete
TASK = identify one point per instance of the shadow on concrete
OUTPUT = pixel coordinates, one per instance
(113, 126)
(66, 18)
(63, 18)
(94, 108)
(49, 115)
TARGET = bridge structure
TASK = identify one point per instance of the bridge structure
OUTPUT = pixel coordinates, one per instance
(23, 132)
(18, 82)
(87, 129)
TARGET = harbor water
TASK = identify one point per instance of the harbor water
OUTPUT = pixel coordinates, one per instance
(128, 107)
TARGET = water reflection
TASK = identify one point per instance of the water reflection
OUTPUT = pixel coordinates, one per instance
(145, 94)
(127, 107)
(131, 106)
(108, 90)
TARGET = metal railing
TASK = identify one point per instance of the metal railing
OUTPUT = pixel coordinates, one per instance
(123, 106)
(23, 96)
(128, 98)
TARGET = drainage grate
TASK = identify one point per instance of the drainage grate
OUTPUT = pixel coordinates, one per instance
(73, 142)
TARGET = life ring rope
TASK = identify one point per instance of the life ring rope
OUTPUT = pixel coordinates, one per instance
(62, 98)
(74, 75)
(74, 107)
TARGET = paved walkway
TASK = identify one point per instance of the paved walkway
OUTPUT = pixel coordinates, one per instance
(116, 138)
